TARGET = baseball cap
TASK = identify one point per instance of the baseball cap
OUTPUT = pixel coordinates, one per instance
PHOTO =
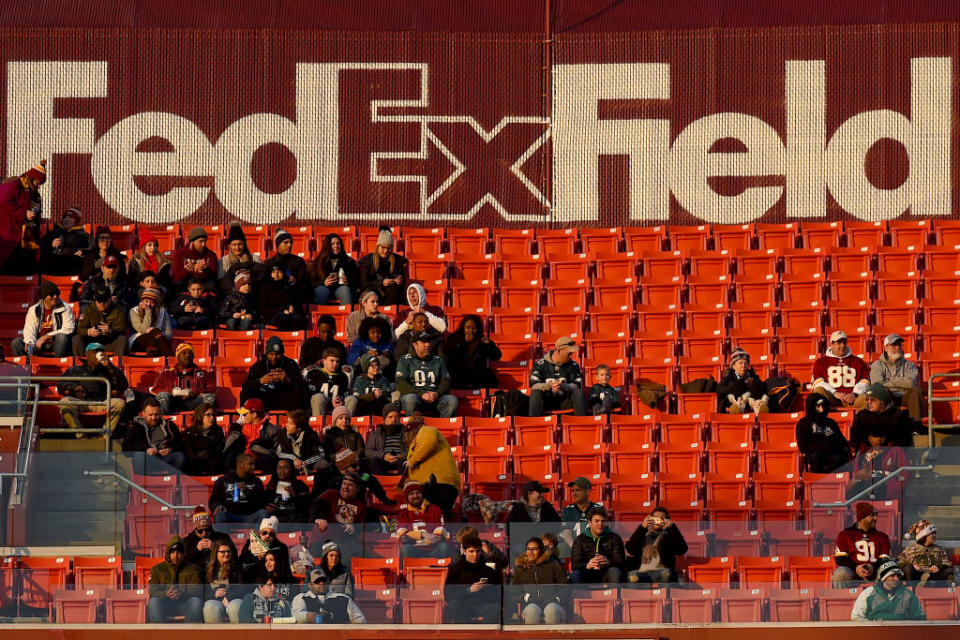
(837, 335)
(253, 404)
(274, 344)
(95, 346)
(319, 575)
(581, 482)
(893, 338)
(422, 336)
(111, 261)
(878, 391)
(566, 343)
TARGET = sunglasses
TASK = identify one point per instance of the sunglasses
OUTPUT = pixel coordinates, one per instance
(264, 534)
(203, 530)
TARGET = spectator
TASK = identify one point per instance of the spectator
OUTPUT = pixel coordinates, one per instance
(300, 444)
(346, 461)
(838, 374)
(574, 515)
(263, 602)
(418, 325)
(276, 567)
(294, 268)
(175, 587)
(238, 495)
(333, 273)
(150, 323)
(597, 554)
(924, 560)
(238, 257)
(101, 247)
(200, 543)
(532, 507)
(62, 248)
(275, 379)
(91, 395)
(555, 381)
(149, 258)
(345, 507)
(469, 352)
(341, 434)
(145, 280)
(224, 589)
(239, 311)
(150, 436)
(371, 389)
(740, 387)
(888, 598)
(655, 545)
(876, 463)
(369, 308)
(424, 382)
(280, 303)
(420, 526)
(314, 346)
(318, 605)
(417, 303)
(101, 322)
(196, 308)
(540, 573)
(264, 552)
(491, 552)
(430, 462)
(551, 544)
(48, 326)
(254, 434)
(384, 449)
(860, 548)
(326, 383)
(184, 386)
(22, 260)
(203, 442)
(108, 278)
(194, 261)
(819, 437)
(899, 375)
(473, 588)
(341, 580)
(373, 338)
(881, 415)
(21, 205)
(603, 398)
(288, 496)
(384, 271)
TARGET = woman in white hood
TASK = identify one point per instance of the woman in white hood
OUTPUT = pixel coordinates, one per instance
(417, 301)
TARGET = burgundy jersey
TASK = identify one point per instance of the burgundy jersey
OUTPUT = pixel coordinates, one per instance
(856, 547)
(840, 374)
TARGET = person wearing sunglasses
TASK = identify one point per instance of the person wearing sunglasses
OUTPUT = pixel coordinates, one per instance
(253, 553)
(201, 542)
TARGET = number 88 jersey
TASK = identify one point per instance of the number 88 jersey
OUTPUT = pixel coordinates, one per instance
(842, 374)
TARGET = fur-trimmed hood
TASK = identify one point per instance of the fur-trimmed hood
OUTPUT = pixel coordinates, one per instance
(544, 558)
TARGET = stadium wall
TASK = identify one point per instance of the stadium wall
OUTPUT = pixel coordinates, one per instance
(713, 112)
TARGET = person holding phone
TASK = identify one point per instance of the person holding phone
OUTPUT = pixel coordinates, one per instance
(654, 546)
(473, 587)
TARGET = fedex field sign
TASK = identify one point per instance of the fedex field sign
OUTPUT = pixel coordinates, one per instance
(612, 143)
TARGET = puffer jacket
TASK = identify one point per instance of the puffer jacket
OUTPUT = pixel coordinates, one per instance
(540, 578)
(876, 603)
(585, 546)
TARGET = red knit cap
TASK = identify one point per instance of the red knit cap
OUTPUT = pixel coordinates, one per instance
(38, 172)
(146, 237)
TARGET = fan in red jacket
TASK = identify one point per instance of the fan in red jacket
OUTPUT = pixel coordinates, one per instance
(420, 526)
(840, 375)
(184, 386)
(18, 196)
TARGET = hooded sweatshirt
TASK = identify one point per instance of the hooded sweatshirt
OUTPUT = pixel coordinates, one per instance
(255, 607)
(847, 373)
(186, 576)
(435, 316)
(818, 432)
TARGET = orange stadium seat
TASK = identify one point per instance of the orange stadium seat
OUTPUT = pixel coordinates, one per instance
(611, 266)
(556, 241)
(569, 267)
(732, 236)
(660, 265)
(639, 239)
(909, 232)
(777, 236)
(596, 239)
(821, 234)
(468, 242)
(866, 234)
(515, 321)
(417, 240)
(703, 263)
(804, 261)
(742, 605)
(471, 267)
(513, 242)
(685, 238)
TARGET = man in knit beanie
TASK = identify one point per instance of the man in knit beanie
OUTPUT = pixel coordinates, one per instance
(203, 539)
(292, 265)
(860, 549)
(19, 202)
(385, 451)
(193, 260)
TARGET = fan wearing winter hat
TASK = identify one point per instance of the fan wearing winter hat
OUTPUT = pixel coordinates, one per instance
(237, 254)
(371, 389)
(859, 549)
(740, 389)
(420, 526)
(194, 260)
(203, 539)
(294, 268)
(149, 258)
(339, 433)
(888, 598)
(384, 271)
(62, 248)
(924, 560)
(19, 201)
(48, 325)
(275, 379)
(239, 310)
(280, 304)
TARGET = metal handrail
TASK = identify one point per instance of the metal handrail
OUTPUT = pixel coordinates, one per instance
(931, 400)
(884, 480)
(146, 492)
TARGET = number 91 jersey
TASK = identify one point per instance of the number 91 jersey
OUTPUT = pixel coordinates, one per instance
(842, 374)
(861, 547)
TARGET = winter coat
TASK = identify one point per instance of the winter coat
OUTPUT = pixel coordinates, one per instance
(292, 265)
(140, 437)
(293, 505)
(236, 588)
(92, 256)
(61, 316)
(207, 303)
(332, 608)
(304, 446)
(353, 323)
(187, 256)
(373, 271)
(896, 376)
(276, 296)
(361, 346)
(363, 387)
(435, 317)
(430, 455)
(141, 323)
(469, 362)
(923, 556)
(545, 369)
(819, 433)
(669, 548)
(894, 421)
(312, 350)
(63, 261)
(519, 513)
(585, 546)
(341, 580)
(187, 577)
(200, 557)
(733, 385)
(876, 603)
(96, 389)
(204, 450)
(255, 607)
(117, 288)
(376, 446)
(461, 575)
(237, 302)
(350, 438)
(252, 386)
(540, 576)
(15, 199)
(256, 439)
(319, 272)
(196, 379)
(249, 493)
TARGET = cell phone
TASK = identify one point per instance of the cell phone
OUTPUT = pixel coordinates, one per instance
(483, 579)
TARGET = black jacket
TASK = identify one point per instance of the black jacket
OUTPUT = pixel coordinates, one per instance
(249, 492)
(731, 384)
(252, 387)
(671, 546)
(237, 302)
(137, 436)
(818, 433)
(204, 450)
(63, 261)
(469, 362)
(292, 265)
(894, 421)
(96, 390)
(290, 508)
(518, 513)
(585, 546)
(460, 576)
(312, 350)
(275, 296)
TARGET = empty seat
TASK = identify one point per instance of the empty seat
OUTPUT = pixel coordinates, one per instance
(791, 605)
(821, 234)
(710, 570)
(732, 236)
(760, 571)
(640, 239)
(596, 239)
(76, 606)
(472, 242)
(379, 572)
(595, 606)
(742, 605)
(811, 570)
(641, 606)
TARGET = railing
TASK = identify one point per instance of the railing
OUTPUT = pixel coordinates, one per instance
(144, 491)
(931, 399)
(869, 490)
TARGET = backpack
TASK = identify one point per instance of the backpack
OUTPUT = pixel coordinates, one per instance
(781, 392)
(509, 403)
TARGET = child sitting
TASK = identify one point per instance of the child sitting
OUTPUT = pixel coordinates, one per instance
(194, 309)
(326, 383)
(340, 433)
(603, 397)
(238, 312)
(280, 304)
(373, 338)
(371, 389)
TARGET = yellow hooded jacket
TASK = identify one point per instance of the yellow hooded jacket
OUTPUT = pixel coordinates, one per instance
(430, 455)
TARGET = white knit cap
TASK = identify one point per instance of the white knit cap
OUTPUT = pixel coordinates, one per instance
(269, 523)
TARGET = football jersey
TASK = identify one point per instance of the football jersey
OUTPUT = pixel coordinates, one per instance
(856, 546)
(839, 374)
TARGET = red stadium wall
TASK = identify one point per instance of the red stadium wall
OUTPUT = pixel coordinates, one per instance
(715, 112)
